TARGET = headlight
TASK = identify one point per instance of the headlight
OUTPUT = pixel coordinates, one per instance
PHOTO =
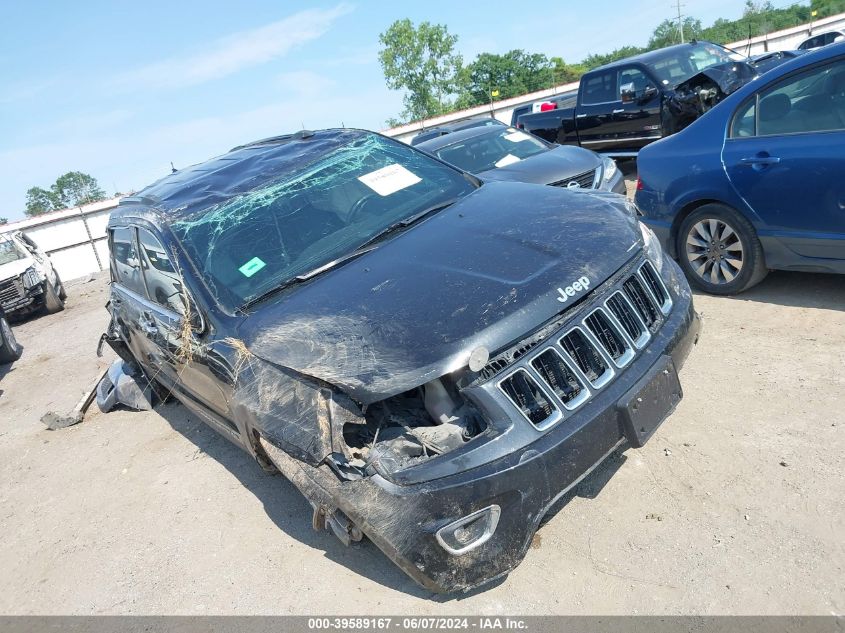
(31, 278)
(652, 248)
(609, 168)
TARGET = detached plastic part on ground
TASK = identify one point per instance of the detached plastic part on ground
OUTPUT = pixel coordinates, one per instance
(124, 384)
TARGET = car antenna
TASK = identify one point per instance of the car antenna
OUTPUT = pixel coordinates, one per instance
(173, 170)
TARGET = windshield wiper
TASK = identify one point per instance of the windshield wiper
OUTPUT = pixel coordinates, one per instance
(406, 222)
(306, 276)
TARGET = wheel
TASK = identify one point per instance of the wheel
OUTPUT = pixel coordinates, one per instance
(62, 291)
(719, 251)
(10, 350)
(53, 301)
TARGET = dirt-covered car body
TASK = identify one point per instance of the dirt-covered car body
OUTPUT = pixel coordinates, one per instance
(28, 280)
(430, 361)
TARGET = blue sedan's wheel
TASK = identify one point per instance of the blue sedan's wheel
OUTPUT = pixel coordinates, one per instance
(719, 250)
(714, 251)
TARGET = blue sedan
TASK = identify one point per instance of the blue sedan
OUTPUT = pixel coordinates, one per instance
(758, 182)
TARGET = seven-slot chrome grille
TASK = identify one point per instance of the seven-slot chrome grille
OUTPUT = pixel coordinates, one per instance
(560, 374)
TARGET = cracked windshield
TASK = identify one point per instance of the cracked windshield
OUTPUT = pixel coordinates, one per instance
(292, 224)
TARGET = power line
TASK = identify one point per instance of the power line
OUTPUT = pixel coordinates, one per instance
(678, 6)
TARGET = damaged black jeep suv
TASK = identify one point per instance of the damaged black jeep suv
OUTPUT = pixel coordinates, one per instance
(431, 360)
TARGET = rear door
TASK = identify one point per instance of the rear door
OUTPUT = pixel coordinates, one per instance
(784, 156)
(598, 104)
(127, 291)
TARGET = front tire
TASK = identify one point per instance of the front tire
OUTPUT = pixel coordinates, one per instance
(10, 350)
(61, 286)
(719, 251)
(53, 301)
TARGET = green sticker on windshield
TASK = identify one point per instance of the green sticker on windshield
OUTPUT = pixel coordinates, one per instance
(252, 267)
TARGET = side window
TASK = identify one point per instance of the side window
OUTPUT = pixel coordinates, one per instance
(126, 268)
(812, 101)
(600, 88)
(632, 84)
(745, 120)
(164, 285)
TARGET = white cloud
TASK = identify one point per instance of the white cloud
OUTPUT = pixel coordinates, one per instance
(237, 51)
(139, 155)
(305, 83)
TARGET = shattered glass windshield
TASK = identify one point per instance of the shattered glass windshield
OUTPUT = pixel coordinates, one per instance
(492, 150)
(682, 64)
(331, 203)
(9, 252)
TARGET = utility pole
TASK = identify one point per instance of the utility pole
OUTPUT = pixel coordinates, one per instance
(678, 6)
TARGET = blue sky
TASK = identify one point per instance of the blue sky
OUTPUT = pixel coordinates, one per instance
(120, 89)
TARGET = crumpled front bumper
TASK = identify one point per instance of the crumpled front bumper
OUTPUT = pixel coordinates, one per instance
(403, 520)
(31, 299)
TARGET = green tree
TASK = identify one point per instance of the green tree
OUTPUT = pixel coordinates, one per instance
(4, 221)
(422, 61)
(72, 189)
(512, 74)
(594, 61)
(76, 188)
(824, 8)
(564, 73)
(39, 201)
(667, 33)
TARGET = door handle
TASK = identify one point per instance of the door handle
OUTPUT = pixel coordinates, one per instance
(147, 325)
(761, 161)
(619, 111)
(580, 116)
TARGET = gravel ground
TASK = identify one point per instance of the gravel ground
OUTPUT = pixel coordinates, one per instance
(735, 506)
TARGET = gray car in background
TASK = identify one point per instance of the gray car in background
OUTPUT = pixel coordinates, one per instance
(507, 154)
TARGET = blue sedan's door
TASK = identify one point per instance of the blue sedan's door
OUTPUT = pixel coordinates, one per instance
(785, 156)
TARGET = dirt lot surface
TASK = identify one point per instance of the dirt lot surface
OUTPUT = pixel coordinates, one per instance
(734, 506)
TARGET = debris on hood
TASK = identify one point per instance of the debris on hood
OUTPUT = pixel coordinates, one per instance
(124, 384)
(698, 94)
(694, 96)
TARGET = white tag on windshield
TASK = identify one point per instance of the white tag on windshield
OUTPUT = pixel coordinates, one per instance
(389, 179)
(516, 137)
(507, 159)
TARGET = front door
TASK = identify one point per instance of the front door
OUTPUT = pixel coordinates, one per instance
(641, 109)
(173, 344)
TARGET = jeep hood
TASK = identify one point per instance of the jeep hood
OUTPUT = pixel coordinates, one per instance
(15, 268)
(555, 165)
(483, 272)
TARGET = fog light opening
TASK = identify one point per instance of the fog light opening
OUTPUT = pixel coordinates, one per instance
(469, 532)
